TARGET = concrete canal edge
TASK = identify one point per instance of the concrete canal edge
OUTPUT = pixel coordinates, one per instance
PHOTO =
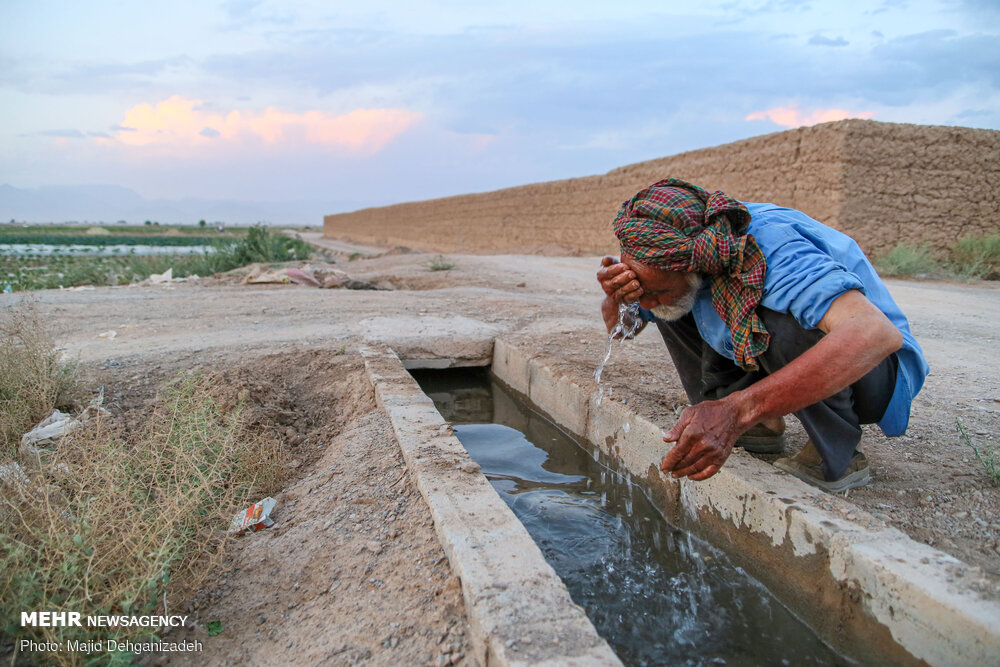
(519, 609)
(866, 587)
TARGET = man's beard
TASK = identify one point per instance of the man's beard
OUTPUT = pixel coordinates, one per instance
(684, 304)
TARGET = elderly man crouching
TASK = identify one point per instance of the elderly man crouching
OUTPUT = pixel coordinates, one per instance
(765, 312)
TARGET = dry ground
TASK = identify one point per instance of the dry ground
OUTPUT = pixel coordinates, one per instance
(334, 581)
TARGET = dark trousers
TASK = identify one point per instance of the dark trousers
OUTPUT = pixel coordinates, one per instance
(833, 424)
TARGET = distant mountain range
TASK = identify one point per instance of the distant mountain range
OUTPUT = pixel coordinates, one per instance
(111, 203)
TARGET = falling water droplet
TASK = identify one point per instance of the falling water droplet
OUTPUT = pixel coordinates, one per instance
(628, 323)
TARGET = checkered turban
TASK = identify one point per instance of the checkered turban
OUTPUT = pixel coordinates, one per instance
(677, 226)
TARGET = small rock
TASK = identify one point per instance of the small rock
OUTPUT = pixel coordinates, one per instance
(374, 547)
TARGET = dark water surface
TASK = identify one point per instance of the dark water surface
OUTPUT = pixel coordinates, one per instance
(658, 595)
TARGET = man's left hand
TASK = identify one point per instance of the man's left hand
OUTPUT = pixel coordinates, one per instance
(704, 436)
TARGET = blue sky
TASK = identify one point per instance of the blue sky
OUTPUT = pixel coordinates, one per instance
(378, 102)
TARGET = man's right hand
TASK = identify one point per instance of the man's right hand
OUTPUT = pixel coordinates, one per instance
(618, 281)
(620, 286)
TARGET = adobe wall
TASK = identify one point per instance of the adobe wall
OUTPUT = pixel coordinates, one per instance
(846, 174)
(919, 184)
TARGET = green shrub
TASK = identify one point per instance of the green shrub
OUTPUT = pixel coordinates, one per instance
(439, 263)
(906, 260)
(260, 245)
(976, 256)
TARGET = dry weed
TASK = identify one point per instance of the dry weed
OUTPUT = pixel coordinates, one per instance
(115, 513)
(32, 379)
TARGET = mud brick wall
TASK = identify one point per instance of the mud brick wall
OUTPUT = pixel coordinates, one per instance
(882, 183)
(918, 184)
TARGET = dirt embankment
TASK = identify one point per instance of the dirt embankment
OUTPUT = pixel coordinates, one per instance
(352, 571)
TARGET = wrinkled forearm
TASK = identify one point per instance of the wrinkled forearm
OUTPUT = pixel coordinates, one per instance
(839, 359)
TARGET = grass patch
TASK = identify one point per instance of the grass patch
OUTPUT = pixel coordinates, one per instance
(905, 260)
(125, 506)
(259, 244)
(32, 379)
(971, 258)
(976, 257)
(440, 263)
(988, 455)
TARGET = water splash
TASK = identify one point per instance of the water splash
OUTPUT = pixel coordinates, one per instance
(628, 324)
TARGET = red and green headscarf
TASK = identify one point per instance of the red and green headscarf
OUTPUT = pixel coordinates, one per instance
(677, 226)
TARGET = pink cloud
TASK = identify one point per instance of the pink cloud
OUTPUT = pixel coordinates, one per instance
(186, 125)
(792, 116)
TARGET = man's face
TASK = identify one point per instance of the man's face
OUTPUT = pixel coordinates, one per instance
(670, 295)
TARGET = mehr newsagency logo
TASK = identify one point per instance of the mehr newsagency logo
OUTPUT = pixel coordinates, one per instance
(66, 619)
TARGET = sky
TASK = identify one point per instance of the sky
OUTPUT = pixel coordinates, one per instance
(356, 104)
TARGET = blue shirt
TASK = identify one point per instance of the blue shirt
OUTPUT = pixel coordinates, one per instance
(808, 266)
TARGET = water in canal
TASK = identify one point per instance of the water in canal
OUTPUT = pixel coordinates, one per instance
(658, 595)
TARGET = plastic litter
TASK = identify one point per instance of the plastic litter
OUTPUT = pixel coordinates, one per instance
(259, 275)
(254, 518)
(48, 431)
(308, 276)
(302, 277)
(161, 278)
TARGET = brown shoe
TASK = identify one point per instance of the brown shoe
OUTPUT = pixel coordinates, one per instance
(761, 439)
(807, 465)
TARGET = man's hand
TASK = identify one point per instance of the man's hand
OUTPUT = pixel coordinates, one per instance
(620, 286)
(704, 436)
(618, 281)
(858, 337)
